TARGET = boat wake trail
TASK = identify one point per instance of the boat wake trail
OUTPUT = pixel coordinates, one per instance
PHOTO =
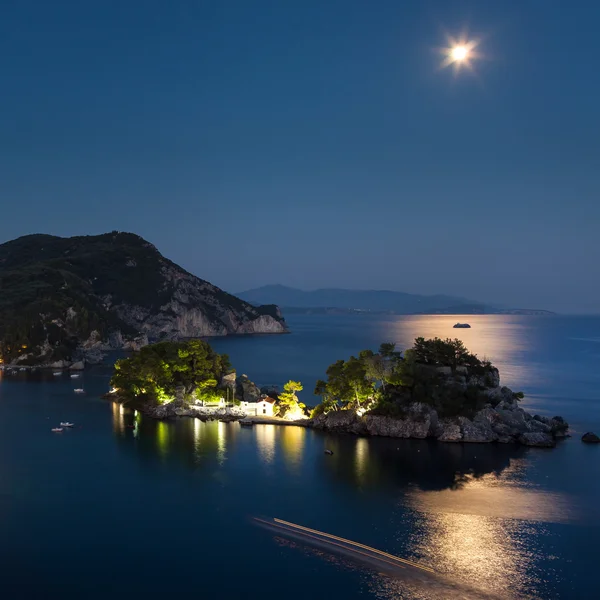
(409, 574)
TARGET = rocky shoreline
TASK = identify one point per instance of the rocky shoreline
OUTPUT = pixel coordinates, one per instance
(505, 423)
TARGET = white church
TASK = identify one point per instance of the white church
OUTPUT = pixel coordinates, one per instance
(263, 407)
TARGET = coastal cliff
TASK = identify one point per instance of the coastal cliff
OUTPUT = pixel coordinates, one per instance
(67, 300)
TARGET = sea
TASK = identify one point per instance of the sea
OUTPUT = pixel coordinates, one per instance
(122, 506)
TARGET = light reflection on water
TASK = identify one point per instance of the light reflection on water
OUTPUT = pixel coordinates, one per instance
(198, 430)
(486, 552)
(221, 441)
(490, 497)
(361, 460)
(292, 446)
(162, 438)
(531, 514)
(118, 417)
(265, 441)
(470, 526)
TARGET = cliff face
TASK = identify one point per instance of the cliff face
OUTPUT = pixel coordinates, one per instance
(196, 308)
(59, 297)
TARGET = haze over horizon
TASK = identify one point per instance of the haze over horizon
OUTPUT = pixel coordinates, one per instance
(314, 145)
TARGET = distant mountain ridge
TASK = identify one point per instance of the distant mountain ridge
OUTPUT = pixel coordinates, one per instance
(372, 300)
(335, 301)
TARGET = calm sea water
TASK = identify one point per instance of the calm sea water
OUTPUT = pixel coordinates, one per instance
(166, 508)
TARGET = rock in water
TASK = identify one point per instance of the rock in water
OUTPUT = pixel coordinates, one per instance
(538, 439)
(560, 427)
(590, 438)
(105, 292)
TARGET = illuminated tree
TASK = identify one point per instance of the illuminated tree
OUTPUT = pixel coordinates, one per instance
(348, 382)
(288, 400)
(153, 373)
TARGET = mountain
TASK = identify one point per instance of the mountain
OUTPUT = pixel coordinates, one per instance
(358, 300)
(66, 298)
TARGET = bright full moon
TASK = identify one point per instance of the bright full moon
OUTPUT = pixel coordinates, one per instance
(460, 52)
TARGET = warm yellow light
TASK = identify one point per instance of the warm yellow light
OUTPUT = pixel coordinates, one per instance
(460, 53)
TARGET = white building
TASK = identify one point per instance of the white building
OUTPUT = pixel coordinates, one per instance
(263, 407)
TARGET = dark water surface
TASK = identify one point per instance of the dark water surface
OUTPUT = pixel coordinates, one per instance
(167, 508)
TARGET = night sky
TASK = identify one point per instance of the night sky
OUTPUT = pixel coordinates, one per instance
(314, 143)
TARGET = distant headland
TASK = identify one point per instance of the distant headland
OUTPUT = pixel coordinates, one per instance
(67, 301)
(356, 302)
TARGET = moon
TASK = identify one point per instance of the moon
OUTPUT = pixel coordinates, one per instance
(459, 53)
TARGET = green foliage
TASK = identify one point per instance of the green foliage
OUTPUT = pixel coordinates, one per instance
(321, 389)
(387, 382)
(324, 407)
(388, 350)
(156, 371)
(288, 400)
(357, 382)
(405, 372)
(291, 387)
(445, 353)
(348, 383)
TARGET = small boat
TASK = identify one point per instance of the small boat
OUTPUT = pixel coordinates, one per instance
(57, 373)
(57, 429)
(75, 376)
(67, 424)
(22, 369)
(79, 390)
(246, 423)
(462, 326)
(330, 452)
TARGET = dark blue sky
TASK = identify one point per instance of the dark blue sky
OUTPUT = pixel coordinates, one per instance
(314, 142)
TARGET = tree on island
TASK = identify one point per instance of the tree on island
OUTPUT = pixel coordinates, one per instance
(288, 403)
(443, 353)
(353, 383)
(155, 372)
(386, 382)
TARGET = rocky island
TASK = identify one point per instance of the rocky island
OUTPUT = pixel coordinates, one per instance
(66, 301)
(190, 379)
(436, 389)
